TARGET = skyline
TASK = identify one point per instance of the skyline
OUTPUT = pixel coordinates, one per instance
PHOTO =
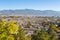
(30, 4)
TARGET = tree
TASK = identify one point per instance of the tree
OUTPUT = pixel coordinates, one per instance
(52, 34)
(12, 27)
(28, 24)
(3, 31)
(7, 29)
(21, 34)
(34, 36)
(40, 35)
(44, 35)
(10, 37)
(53, 26)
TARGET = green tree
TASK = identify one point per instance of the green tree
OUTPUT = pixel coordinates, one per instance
(21, 34)
(6, 31)
(10, 37)
(44, 35)
(9, 30)
(52, 34)
(28, 24)
(40, 35)
(12, 27)
(34, 36)
(3, 31)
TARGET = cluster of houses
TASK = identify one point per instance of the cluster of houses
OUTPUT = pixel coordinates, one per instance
(35, 22)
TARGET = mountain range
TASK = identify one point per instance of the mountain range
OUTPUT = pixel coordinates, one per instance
(30, 12)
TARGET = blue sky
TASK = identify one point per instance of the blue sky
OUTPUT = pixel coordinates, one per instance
(30, 4)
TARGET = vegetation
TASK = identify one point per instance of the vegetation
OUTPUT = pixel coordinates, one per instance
(10, 30)
(45, 35)
(28, 24)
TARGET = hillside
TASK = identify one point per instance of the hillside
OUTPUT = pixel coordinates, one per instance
(30, 12)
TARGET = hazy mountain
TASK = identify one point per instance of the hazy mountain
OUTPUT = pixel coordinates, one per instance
(31, 12)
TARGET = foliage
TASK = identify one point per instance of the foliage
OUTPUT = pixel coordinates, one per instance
(35, 35)
(21, 34)
(52, 34)
(45, 35)
(9, 30)
(12, 27)
(42, 35)
(28, 24)
(10, 37)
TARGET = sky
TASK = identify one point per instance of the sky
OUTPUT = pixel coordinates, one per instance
(30, 4)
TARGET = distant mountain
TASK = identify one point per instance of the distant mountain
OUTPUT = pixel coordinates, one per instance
(31, 12)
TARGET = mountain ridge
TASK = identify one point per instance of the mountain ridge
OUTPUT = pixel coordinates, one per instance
(30, 12)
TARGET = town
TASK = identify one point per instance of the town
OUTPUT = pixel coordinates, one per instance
(31, 23)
